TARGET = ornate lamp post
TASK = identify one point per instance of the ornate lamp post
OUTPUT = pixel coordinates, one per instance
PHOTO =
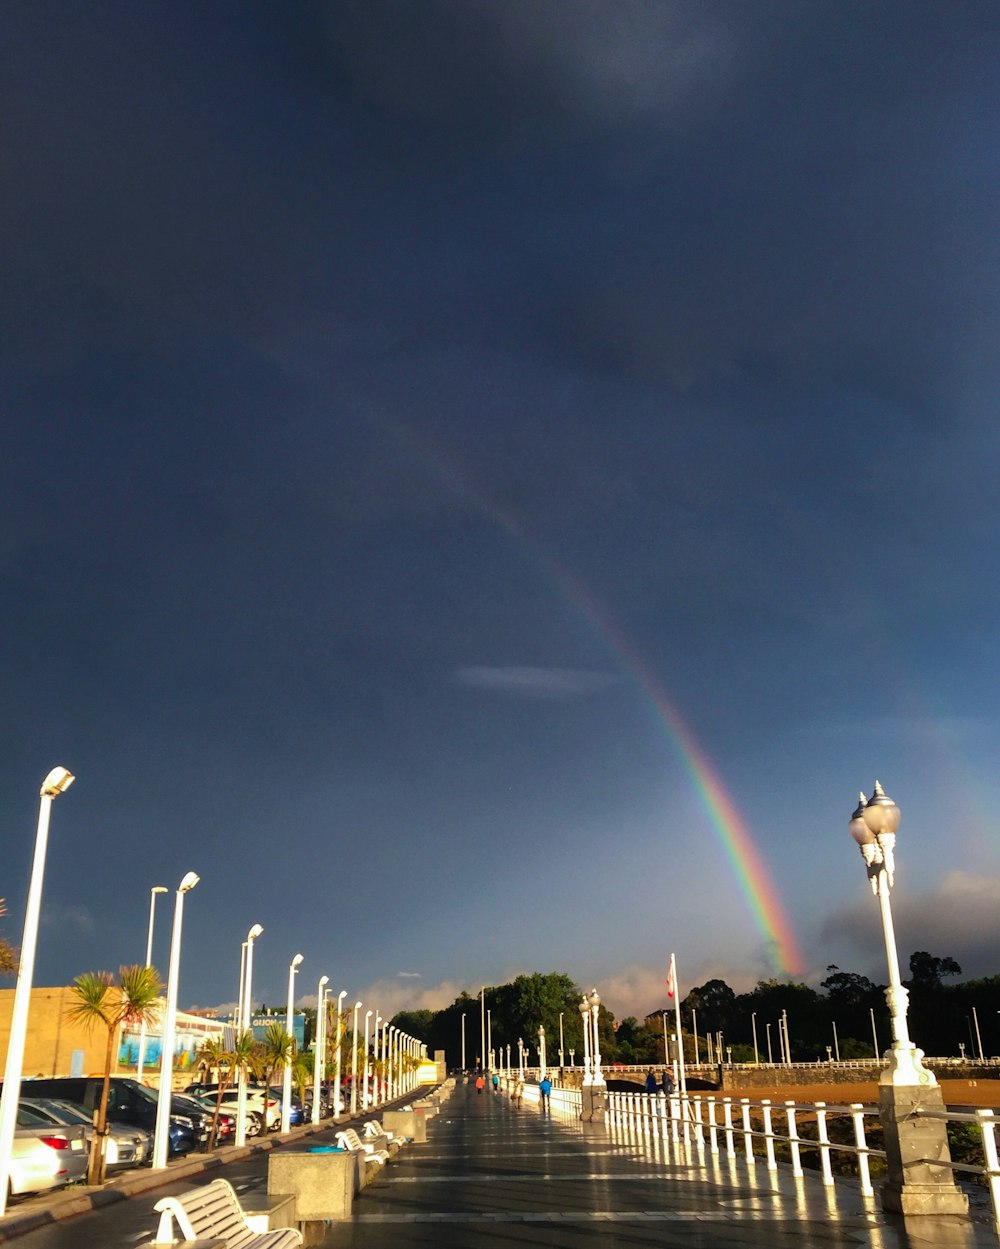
(919, 1179)
(595, 1044)
(337, 1061)
(541, 1052)
(585, 1021)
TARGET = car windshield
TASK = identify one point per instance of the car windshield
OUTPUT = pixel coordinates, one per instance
(67, 1112)
(30, 1118)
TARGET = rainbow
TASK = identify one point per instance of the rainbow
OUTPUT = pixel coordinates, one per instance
(730, 828)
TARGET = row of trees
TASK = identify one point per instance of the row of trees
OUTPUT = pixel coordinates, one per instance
(941, 1016)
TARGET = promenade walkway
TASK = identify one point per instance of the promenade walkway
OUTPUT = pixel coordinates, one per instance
(492, 1175)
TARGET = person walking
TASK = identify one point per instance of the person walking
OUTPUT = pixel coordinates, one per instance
(518, 1092)
(650, 1081)
(480, 1083)
(545, 1092)
(496, 1082)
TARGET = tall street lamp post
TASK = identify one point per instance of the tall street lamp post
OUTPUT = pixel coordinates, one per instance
(585, 1021)
(354, 1061)
(286, 1083)
(161, 1132)
(753, 1025)
(364, 1086)
(463, 1041)
(244, 1015)
(319, 1054)
(919, 1177)
(541, 1052)
(140, 1060)
(56, 783)
(337, 1061)
(562, 1053)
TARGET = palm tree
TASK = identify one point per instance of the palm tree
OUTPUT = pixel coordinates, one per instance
(274, 1051)
(302, 1075)
(133, 1001)
(8, 955)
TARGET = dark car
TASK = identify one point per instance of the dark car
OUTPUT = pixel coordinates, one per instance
(128, 1102)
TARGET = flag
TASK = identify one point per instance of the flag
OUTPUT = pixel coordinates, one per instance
(672, 980)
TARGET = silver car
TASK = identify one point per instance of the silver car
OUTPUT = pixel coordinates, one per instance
(46, 1155)
(127, 1146)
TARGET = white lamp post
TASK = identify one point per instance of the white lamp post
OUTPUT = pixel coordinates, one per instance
(463, 1041)
(243, 1025)
(57, 782)
(337, 1062)
(286, 1083)
(140, 1060)
(541, 1052)
(756, 1053)
(562, 1053)
(364, 1085)
(161, 1132)
(375, 1065)
(919, 1178)
(319, 1054)
(595, 1006)
(354, 1062)
(585, 1021)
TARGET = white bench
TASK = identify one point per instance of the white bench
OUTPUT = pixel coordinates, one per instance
(349, 1140)
(213, 1212)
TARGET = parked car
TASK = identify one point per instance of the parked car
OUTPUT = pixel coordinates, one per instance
(126, 1147)
(227, 1117)
(128, 1102)
(255, 1102)
(46, 1155)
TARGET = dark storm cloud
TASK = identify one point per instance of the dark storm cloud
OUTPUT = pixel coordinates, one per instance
(770, 190)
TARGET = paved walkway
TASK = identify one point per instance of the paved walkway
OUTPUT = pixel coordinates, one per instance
(491, 1175)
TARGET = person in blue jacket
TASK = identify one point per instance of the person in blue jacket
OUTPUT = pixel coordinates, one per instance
(545, 1090)
(650, 1081)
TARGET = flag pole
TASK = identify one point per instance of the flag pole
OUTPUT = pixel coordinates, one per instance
(680, 1034)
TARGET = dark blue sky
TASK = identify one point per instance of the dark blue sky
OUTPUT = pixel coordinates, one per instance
(379, 377)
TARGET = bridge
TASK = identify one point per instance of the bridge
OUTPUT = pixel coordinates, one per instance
(492, 1172)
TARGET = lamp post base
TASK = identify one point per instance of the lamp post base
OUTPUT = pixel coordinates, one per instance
(919, 1178)
(595, 1101)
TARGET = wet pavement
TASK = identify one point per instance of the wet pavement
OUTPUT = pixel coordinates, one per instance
(492, 1174)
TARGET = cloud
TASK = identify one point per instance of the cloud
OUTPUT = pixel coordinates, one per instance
(390, 996)
(409, 975)
(544, 683)
(959, 919)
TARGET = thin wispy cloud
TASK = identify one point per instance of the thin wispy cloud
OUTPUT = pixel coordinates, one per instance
(409, 975)
(549, 683)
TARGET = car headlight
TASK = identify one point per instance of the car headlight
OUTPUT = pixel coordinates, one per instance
(184, 1121)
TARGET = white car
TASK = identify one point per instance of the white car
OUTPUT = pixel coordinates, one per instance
(46, 1155)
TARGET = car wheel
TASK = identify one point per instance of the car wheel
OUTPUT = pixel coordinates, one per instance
(253, 1124)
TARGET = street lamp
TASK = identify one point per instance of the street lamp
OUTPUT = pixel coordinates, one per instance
(245, 1014)
(585, 1021)
(918, 1160)
(56, 783)
(161, 1132)
(562, 1053)
(319, 1054)
(364, 1087)
(286, 1083)
(541, 1052)
(595, 1006)
(354, 1061)
(753, 1025)
(463, 1041)
(376, 1038)
(336, 1073)
(140, 1060)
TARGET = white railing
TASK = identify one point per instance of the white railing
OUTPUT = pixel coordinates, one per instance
(697, 1119)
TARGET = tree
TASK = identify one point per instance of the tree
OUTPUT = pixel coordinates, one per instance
(926, 971)
(847, 988)
(277, 1048)
(130, 1003)
(8, 955)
